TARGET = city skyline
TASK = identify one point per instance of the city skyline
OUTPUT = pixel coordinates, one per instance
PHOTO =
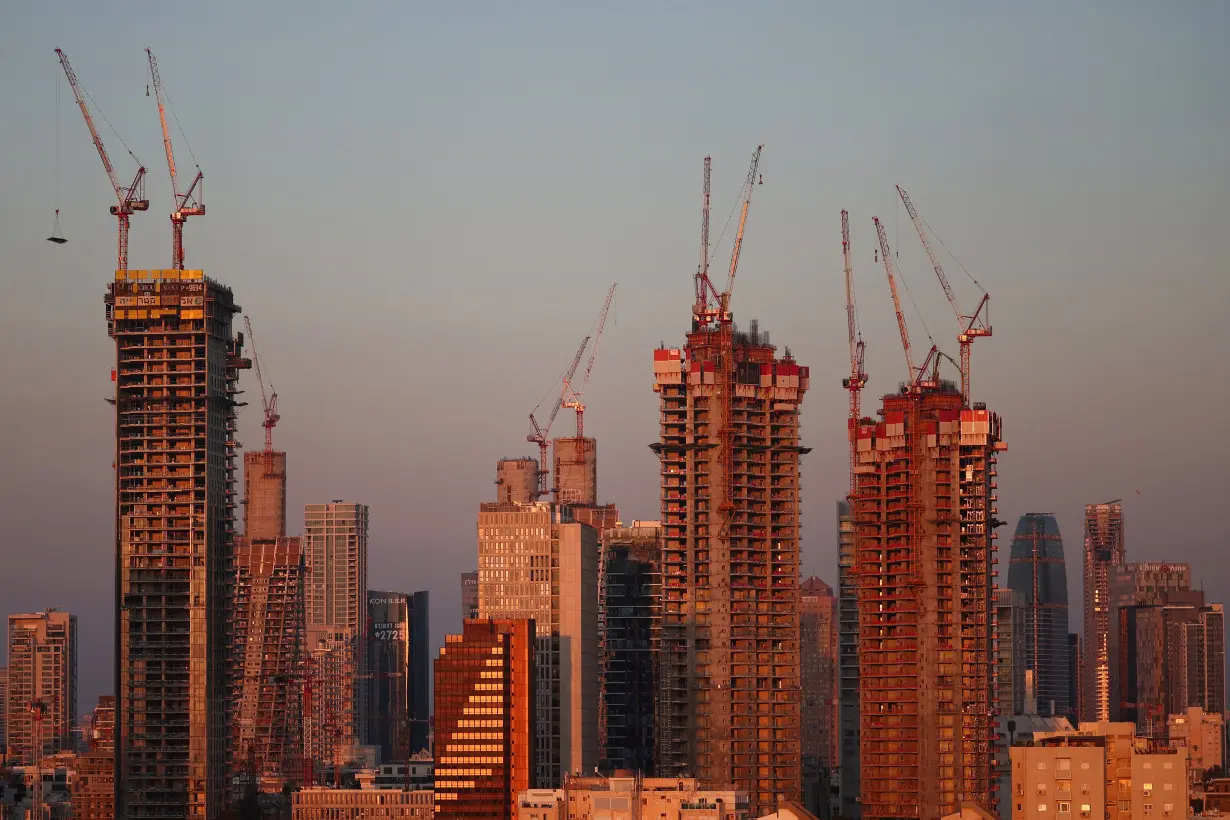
(785, 268)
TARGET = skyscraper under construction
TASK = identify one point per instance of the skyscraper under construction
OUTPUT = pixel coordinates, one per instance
(1104, 550)
(924, 511)
(177, 370)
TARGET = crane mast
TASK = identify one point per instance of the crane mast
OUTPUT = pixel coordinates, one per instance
(918, 375)
(129, 199)
(268, 400)
(575, 400)
(857, 379)
(540, 436)
(969, 327)
(187, 203)
(748, 186)
(704, 287)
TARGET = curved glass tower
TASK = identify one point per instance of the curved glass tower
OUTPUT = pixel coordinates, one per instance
(1036, 571)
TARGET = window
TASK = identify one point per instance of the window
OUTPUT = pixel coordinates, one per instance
(1064, 807)
(1168, 807)
(1041, 764)
(1167, 787)
(1064, 764)
(1086, 809)
(1084, 788)
(1148, 807)
(1167, 765)
(1041, 808)
(1084, 764)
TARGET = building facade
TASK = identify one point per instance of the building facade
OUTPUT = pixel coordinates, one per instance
(264, 495)
(1104, 552)
(43, 671)
(397, 674)
(535, 562)
(329, 724)
(729, 451)
(516, 480)
(631, 798)
(1201, 734)
(1064, 777)
(361, 804)
(270, 636)
(818, 648)
(924, 514)
(629, 639)
(93, 795)
(847, 662)
(1075, 678)
(576, 470)
(4, 706)
(1010, 643)
(485, 709)
(1037, 572)
(469, 595)
(176, 380)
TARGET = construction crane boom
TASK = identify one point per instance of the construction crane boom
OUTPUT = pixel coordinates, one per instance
(268, 399)
(704, 287)
(541, 434)
(187, 203)
(892, 285)
(575, 400)
(857, 379)
(128, 200)
(748, 186)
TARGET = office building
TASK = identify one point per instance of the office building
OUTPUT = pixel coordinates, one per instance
(1037, 572)
(1136, 584)
(264, 495)
(632, 798)
(270, 638)
(176, 380)
(1104, 552)
(629, 640)
(1010, 642)
(731, 503)
(485, 708)
(1201, 734)
(1206, 659)
(361, 804)
(576, 470)
(924, 513)
(397, 676)
(818, 648)
(516, 480)
(43, 671)
(469, 595)
(536, 562)
(847, 663)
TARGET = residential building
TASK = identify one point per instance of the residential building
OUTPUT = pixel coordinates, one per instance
(1064, 777)
(1159, 785)
(847, 661)
(397, 677)
(818, 647)
(1201, 733)
(417, 774)
(925, 514)
(270, 637)
(730, 455)
(361, 804)
(1206, 659)
(1010, 643)
(42, 671)
(102, 725)
(264, 495)
(516, 480)
(94, 790)
(329, 735)
(1104, 552)
(535, 562)
(469, 595)
(484, 720)
(629, 638)
(176, 385)
(632, 798)
(1037, 572)
(1018, 730)
(4, 705)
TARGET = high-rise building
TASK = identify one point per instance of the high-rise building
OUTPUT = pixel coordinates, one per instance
(484, 720)
(1010, 671)
(270, 638)
(576, 470)
(847, 662)
(818, 659)
(1036, 572)
(4, 705)
(629, 627)
(397, 675)
(536, 562)
(264, 495)
(42, 670)
(925, 512)
(94, 792)
(1104, 551)
(1206, 650)
(102, 725)
(329, 726)
(335, 553)
(1142, 584)
(730, 498)
(516, 479)
(176, 380)
(1075, 678)
(469, 595)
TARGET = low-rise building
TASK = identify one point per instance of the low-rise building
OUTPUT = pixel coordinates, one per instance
(1201, 734)
(361, 804)
(1063, 777)
(627, 798)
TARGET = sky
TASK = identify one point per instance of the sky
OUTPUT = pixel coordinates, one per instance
(422, 205)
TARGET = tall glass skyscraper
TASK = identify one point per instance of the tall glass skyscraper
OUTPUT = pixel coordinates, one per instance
(1036, 571)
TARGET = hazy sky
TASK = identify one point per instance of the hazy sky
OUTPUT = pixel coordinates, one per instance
(422, 206)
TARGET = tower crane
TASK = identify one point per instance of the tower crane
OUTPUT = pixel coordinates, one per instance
(268, 399)
(857, 379)
(128, 200)
(704, 288)
(917, 374)
(969, 327)
(187, 203)
(575, 399)
(540, 436)
(710, 305)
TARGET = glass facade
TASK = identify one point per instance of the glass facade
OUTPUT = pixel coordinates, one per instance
(397, 673)
(1037, 573)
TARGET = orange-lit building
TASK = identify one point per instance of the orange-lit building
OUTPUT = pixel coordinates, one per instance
(924, 515)
(484, 720)
(264, 494)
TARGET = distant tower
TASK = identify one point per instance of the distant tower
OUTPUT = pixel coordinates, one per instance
(516, 479)
(1037, 573)
(397, 673)
(469, 595)
(1010, 672)
(264, 495)
(576, 470)
(847, 661)
(1104, 550)
(43, 669)
(818, 651)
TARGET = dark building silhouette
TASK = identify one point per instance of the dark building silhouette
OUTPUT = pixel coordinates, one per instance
(1075, 686)
(1036, 571)
(397, 674)
(847, 662)
(469, 595)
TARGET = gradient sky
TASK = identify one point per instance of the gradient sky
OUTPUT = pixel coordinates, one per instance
(422, 205)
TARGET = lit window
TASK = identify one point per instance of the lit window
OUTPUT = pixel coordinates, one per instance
(1041, 807)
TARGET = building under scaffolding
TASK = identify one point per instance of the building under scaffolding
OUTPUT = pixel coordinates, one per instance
(177, 371)
(924, 513)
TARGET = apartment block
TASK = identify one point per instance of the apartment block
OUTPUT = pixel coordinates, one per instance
(1010, 671)
(818, 648)
(1038, 574)
(535, 562)
(270, 640)
(924, 514)
(329, 725)
(632, 798)
(576, 470)
(847, 661)
(729, 451)
(42, 672)
(176, 382)
(361, 804)
(1061, 778)
(1201, 733)
(397, 674)
(629, 639)
(264, 495)
(1104, 552)
(485, 709)
(516, 480)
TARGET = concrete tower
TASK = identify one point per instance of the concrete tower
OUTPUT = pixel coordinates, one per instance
(1037, 573)
(1104, 550)
(924, 512)
(731, 697)
(516, 479)
(264, 495)
(576, 470)
(176, 379)
(42, 669)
